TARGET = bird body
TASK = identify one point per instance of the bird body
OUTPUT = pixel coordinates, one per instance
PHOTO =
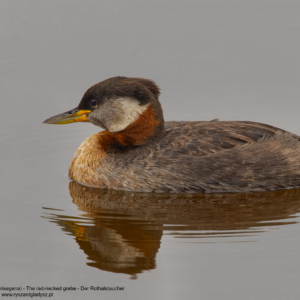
(138, 151)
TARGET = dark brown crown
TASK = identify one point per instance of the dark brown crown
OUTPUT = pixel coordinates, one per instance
(143, 90)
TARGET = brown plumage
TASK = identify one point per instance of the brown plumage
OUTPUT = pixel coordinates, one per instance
(139, 151)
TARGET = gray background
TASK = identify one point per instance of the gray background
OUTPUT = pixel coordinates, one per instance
(233, 60)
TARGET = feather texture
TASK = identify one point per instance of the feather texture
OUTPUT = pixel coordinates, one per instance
(196, 157)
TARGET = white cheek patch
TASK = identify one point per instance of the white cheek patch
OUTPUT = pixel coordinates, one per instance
(118, 113)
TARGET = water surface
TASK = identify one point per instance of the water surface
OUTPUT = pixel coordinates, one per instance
(233, 60)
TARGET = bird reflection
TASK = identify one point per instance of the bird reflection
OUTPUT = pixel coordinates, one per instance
(121, 231)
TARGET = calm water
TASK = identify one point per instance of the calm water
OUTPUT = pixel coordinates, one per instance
(233, 60)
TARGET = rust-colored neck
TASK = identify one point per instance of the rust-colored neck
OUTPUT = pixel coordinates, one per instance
(144, 130)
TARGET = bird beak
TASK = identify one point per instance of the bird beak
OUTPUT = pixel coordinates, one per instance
(71, 116)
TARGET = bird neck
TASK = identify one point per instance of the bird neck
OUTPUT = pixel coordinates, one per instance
(147, 128)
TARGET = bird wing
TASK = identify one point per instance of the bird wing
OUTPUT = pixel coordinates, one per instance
(204, 138)
(217, 157)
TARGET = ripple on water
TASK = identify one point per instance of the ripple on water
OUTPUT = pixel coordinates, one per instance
(122, 231)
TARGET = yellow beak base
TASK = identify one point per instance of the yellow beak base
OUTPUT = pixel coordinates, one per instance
(72, 116)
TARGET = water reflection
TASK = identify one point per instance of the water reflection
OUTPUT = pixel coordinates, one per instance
(121, 231)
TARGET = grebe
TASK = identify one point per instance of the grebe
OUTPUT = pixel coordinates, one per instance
(139, 151)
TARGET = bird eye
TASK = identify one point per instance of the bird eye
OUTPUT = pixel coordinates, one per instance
(93, 102)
